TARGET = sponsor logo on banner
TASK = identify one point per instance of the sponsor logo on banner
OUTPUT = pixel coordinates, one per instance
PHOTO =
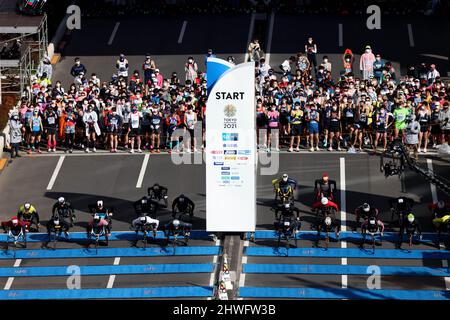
(217, 157)
(218, 163)
(235, 178)
(216, 152)
(230, 158)
(230, 145)
(225, 168)
(229, 111)
(225, 173)
(230, 152)
(226, 178)
(242, 158)
(230, 136)
(246, 152)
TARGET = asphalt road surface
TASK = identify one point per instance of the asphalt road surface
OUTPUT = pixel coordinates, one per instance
(83, 179)
(402, 40)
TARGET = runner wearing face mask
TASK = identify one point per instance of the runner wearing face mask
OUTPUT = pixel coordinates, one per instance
(190, 120)
(313, 118)
(114, 123)
(90, 119)
(335, 130)
(273, 124)
(135, 118)
(296, 126)
(381, 123)
(37, 128)
(311, 51)
(366, 63)
(51, 128)
(424, 118)
(191, 69)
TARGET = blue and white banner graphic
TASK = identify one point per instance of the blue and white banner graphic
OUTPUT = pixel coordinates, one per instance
(230, 147)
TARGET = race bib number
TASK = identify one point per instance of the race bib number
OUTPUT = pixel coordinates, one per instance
(51, 120)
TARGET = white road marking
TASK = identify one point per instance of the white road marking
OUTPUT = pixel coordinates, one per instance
(432, 186)
(55, 172)
(435, 199)
(113, 34)
(212, 278)
(344, 277)
(341, 34)
(112, 277)
(143, 169)
(10, 280)
(436, 56)
(250, 33)
(410, 35)
(183, 29)
(269, 40)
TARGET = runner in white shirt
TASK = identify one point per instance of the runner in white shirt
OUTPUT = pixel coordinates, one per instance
(134, 119)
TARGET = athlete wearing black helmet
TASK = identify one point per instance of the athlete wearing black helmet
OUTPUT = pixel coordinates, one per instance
(182, 205)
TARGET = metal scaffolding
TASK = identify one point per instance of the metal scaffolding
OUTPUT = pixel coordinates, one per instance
(33, 33)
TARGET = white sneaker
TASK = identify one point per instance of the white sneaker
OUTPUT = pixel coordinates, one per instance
(339, 149)
(419, 150)
(297, 149)
(312, 149)
(94, 150)
(49, 150)
(54, 149)
(330, 149)
(291, 149)
(317, 148)
(277, 149)
(132, 151)
(139, 151)
(425, 150)
(188, 150)
(87, 150)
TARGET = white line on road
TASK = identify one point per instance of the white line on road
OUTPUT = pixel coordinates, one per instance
(344, 277)
(113, 34)
(183, 29)
(435, 199)
(112, 277)
(341, 34)
(432, 186)
(10, 280)
(269, 39)
(410, 35)
(143, 169)
(436, 56)
(55, 173)
(250, 34)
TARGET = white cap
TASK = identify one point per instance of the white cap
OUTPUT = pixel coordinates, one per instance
(176, 222)
(100, 203)
(61, 199)
(287, 223)
(328, 221)
(15, 221)
(324, 201)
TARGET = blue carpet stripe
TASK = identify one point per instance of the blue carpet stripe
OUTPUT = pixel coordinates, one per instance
(111, 252)
(338, 293)
(115, 236)
(344, 236)
(347, 253)
(344, 269)
(115, 293)
(102, 270)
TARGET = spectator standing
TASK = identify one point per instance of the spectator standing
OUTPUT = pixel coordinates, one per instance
(366, 63)
(122, 67)
(191, 69)
(15, 134)
(78, 68)
(432, 75)
(311, 52)
(412, 136)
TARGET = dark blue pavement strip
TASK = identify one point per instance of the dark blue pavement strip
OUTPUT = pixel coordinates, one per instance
(110, 252)
(115, 236)
(114, 293)
(343, 269)
(344, 236)
(337, 293)
(102, 270)
(347, 253)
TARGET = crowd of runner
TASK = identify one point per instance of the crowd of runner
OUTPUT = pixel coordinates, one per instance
(298, 105)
